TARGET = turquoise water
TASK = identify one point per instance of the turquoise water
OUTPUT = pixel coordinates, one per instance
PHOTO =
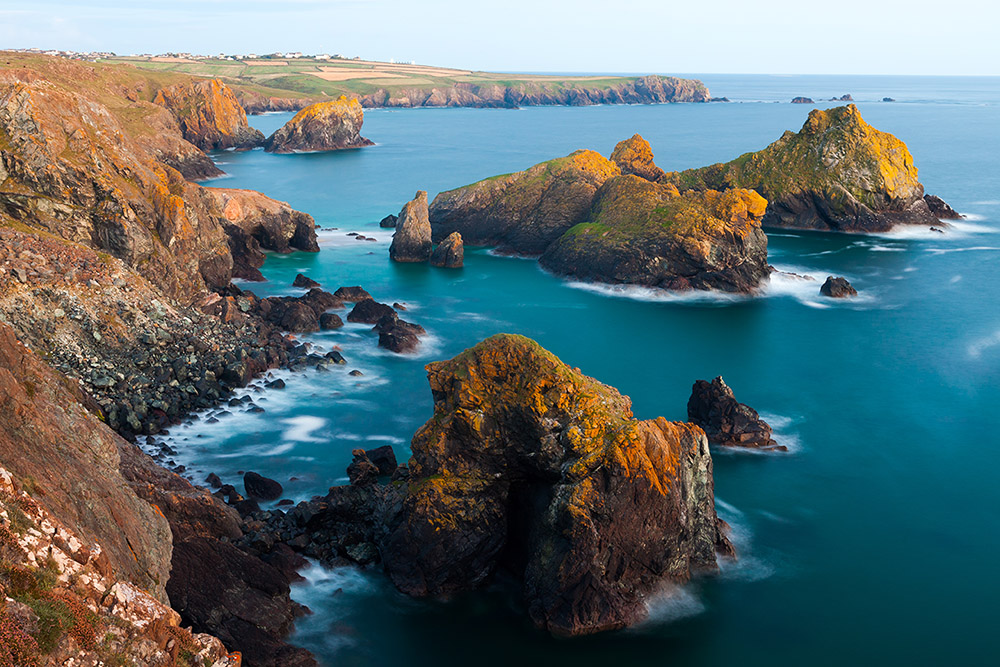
(874, 541)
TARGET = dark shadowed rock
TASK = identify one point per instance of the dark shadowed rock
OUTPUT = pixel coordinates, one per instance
(726, 421)
(329, 321)
(369, 311)
(412, 240)
(450, 253)
(388, 222)
(384, 459)
(258, 486)
(299, 318)
(398, 335)
(304, 281)
(941, 209)
(529, 465)
(362, 471)
(352, 294)
(837, 288)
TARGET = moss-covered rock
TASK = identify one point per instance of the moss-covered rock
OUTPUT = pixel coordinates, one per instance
(324, 126)
(837, 173)
(523, 212)
(650, 234)
(530, 465)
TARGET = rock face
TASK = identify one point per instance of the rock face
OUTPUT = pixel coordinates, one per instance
(645, 233)
(450, 253)
(209, 114)
(837, 173)
(635, 156)
(530, 466)
(324, 126)
(523, 213)
(91, 166)
(837, 288)
(727, 422)
(412, 240)
(941, 209)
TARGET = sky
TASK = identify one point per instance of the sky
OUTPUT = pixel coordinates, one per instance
(936, 37)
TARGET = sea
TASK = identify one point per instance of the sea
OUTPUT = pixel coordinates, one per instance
(874, 540)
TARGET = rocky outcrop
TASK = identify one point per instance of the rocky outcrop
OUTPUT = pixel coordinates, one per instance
(643, 233)
(450, 253)
(940, 209)
(90, 166)
(388, 222)
(802, 100)
(522, 213)
(412, 240)
(397, 335)
(726, 421)
(324, 126)
(210, 115)
(837, 288)
(530, 466)
(635, 156)
(837, 173)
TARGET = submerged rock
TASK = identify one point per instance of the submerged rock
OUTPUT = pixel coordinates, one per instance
(837, 288)
(837, 173)
(412, 240)
(530, 466)
(726, 421)
(324, 126)
(450, 253)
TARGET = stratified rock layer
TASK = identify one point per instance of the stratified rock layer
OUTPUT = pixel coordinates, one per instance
(837, 173)
(324, 126)
(209, 114)
(529, 465)
(412, 240)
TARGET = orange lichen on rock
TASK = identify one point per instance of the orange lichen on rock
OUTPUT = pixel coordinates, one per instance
(530, 463)
(324, 126)
(210, 115)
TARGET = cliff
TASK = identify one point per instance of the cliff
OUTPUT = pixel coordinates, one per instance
(324, 126)
(837, 173)
(530, 466)
(210, 115)
(523, 212)
(644, 233)
(88, 166)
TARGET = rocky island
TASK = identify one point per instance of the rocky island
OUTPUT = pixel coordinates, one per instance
(324, 126)
(837, 173)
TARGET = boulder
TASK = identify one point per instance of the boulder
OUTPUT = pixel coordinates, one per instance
(328, 321)
(635, 156)
(384, 459)
(837, 288)
(450, 253)
(388, 222)
(397, 335)
(324, 126)
(299, 318)
(837, 173)
(530, 466)
(522, 213)
(258, 486)
(352, 294)
(369, 311)
(412, 240)
(304, 281)
(727, 422)
(362, 471)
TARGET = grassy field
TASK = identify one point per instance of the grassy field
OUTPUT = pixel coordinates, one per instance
(308, 77)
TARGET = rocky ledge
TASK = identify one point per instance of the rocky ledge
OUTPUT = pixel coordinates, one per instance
(210, 115)
(324, 126)
(837, 173)
(613, 221)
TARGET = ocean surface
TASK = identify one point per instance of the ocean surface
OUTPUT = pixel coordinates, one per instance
(875, 540)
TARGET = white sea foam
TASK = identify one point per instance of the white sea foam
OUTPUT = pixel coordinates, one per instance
(978, 248)
(955, 279)
(302, 428)
(668, 605)
(653, 294)
(977, 347)
(987, 202)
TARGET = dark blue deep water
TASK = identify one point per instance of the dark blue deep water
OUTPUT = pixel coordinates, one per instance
(874, 541)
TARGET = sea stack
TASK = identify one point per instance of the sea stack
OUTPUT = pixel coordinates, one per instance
(530, 465)
(412, 240)
(450, 253)
(324, 126)
(726, 421)
(209, 114)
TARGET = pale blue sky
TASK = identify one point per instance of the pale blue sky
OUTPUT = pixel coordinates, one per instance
(768, 36)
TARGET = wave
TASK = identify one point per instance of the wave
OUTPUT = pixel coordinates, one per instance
(977, 347)
(302, 428)
(657, 295)
(944, 251)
